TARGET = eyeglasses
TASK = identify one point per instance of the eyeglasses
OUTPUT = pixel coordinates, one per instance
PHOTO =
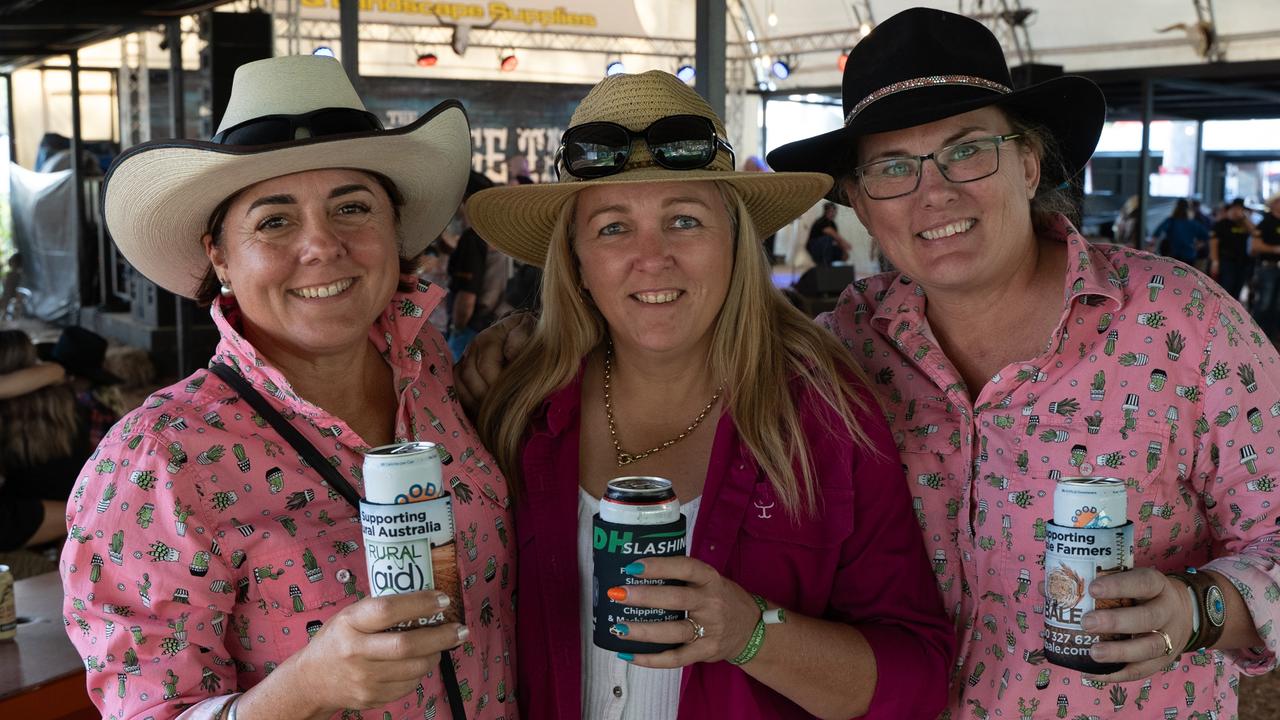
(677, 142)
(960, 163)
(270, 129)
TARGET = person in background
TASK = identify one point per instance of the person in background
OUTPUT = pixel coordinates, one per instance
(43, 444)
(1012, 352)
(477, 278)
(1229, 248)
(433, 266)
(1179, 236)
(1202, 249)
(826, 245)
(11, 302)
(659, 314)
(210, 571)
(1265, 249)
(82, 352)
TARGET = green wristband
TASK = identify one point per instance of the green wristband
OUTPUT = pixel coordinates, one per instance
(757, 636)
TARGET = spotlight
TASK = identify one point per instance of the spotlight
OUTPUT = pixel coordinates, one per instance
(865, 30)
(323, 51)
(781, 69)
(508, 62)
(773, 19)
(428, 59)
(686, 73)
(615, 67)
(840, 61)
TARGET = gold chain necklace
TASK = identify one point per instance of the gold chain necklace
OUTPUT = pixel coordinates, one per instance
(626, 458)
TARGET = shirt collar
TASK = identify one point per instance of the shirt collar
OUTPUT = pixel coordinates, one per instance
(396, 333)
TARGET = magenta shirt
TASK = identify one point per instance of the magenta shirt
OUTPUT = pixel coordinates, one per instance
(1153, 376)
(203, 552)
(860, 562)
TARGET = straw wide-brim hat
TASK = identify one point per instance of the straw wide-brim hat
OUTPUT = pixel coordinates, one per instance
(923, 65)
(519, 220)
(157, 197)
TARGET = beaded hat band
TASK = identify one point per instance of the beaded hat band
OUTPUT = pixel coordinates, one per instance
(929, 81)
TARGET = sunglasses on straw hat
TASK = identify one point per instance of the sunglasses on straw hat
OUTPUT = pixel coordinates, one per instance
(676, 142)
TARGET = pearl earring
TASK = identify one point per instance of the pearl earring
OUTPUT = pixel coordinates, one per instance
(226, 289)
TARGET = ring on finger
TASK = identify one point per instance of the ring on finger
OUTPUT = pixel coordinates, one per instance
(698, 630)
(1168, 641)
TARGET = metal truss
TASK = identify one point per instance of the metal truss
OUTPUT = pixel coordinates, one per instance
(423, 35)
(1007, 19)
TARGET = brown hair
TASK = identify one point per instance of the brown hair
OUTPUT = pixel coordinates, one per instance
(761, 345)
(40, 425)
(210, 286)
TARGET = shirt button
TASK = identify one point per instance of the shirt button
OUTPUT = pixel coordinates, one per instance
(617, 691)
(343, 575)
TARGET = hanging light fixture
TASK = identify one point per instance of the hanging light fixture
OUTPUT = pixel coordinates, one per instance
(783, 67)
(507, 60)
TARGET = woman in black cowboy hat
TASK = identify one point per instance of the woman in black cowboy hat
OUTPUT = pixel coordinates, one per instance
(1011, 353)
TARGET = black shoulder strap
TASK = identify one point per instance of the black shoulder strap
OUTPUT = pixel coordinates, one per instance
(287, 431)
(313, 458)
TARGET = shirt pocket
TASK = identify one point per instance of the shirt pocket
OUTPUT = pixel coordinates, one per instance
(307, 581)
(793, 562)
(1133, 449)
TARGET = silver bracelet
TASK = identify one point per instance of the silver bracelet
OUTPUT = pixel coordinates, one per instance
(229, 710)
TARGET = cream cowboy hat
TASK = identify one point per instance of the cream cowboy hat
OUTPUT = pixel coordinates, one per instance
(286, 115)
(519, 220)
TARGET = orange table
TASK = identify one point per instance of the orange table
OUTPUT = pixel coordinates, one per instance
(41, 674)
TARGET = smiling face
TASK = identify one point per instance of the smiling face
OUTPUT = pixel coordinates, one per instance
(312, 259)
(953, 235)
(656, 260)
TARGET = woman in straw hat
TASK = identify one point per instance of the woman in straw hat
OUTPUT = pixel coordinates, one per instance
(663, 349)
(210, 571)
(1011, 352)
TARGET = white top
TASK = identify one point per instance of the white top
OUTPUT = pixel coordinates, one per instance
(613, 689)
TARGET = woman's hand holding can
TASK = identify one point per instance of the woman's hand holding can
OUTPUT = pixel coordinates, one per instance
(1163, 609)
(353, 662)
(724, 611)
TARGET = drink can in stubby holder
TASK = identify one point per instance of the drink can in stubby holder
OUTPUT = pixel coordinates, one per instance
(8, 606)
(406, 519)
(639, 518)
(1090, 536)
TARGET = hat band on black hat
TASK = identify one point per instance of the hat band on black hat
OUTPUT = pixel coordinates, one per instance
(927, 81)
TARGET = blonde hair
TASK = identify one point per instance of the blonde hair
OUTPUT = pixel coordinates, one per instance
(41, 425)
(761, 345)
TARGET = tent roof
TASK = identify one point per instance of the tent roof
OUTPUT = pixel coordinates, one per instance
(31, 30)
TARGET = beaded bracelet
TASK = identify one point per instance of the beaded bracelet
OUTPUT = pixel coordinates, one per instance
(757, 636)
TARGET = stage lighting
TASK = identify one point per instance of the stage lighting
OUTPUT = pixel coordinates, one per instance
(840, 61)
(781, 69)
(323, 51)
(686, 73)
(508, 61)
(615, 67)
(428, 59)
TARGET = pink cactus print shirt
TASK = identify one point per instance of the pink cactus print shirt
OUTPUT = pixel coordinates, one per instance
(1153, 375)
(203, 553)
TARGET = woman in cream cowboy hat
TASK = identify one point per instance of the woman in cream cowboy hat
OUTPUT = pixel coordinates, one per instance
(663, 349)
(210, 570)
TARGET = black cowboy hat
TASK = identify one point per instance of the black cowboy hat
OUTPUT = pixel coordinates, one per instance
(923, 65)
(81, 352)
